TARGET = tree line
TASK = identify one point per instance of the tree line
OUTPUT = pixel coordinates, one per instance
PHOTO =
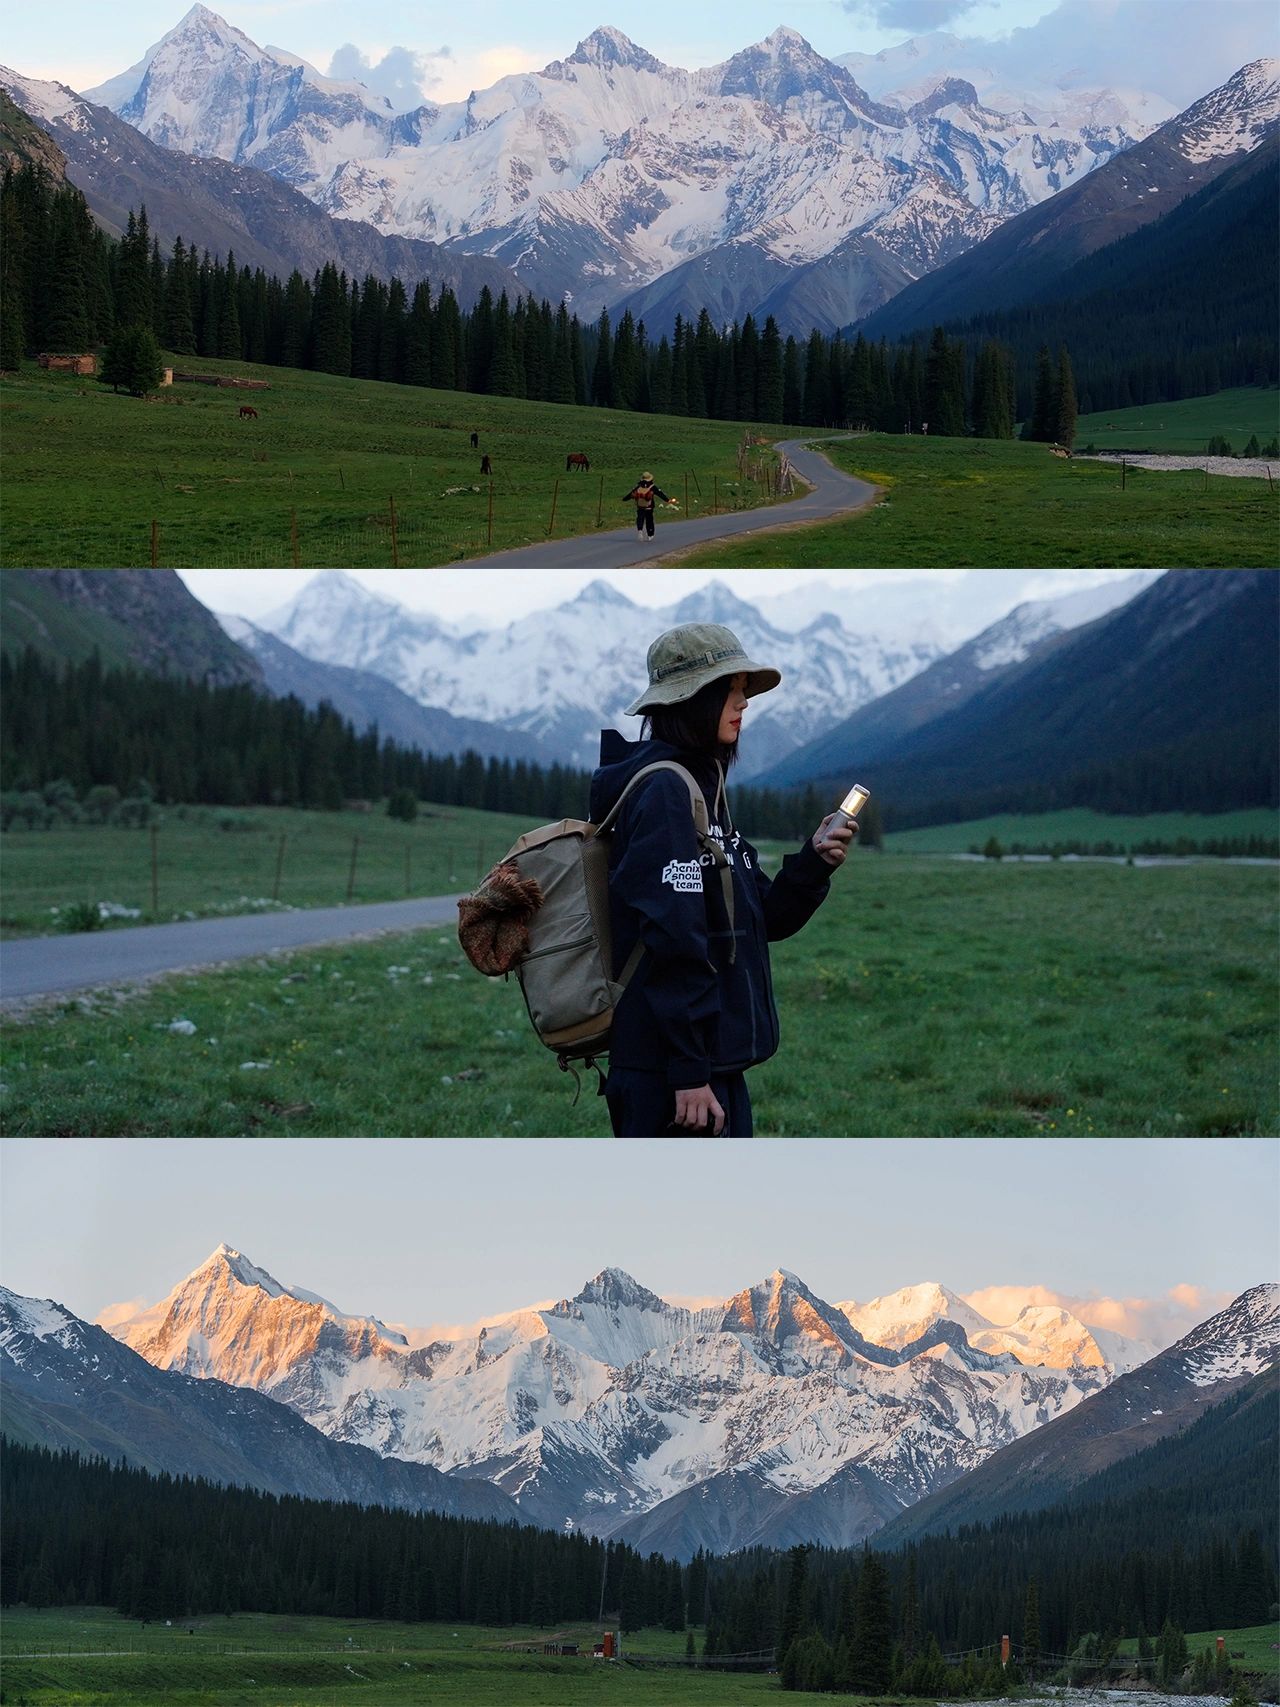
(87, 744)
(66, 286)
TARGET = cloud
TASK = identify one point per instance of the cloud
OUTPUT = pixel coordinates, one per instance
(403, 76)
(1176, 48)
(914, 16)
(1159, 1320)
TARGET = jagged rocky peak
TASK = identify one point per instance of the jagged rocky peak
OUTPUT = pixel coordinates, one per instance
(614, 1289)
(950, 92)
(226, 1259)
(607, 46)
(781, 1307)
(600, 595)
(717, 602)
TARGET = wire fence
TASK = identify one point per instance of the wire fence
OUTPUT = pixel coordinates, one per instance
(409, 529)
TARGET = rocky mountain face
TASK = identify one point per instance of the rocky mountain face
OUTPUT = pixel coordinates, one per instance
(945, 685)
(144, 617)
(227, 208)
(516, 677)
(1161, 1397)
(1025, 257)
(23, 143)
(607, 170)
(767, 1417)
(70, 1384)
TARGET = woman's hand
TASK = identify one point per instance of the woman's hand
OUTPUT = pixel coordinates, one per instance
(698, 1108)
(833, 845)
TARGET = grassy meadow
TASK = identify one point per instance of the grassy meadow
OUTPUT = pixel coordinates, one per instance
(86, 471)
(86, 1656)
(992, 504)
(1184, 428)
(928, 997)
(1083, 824)
(217, 860)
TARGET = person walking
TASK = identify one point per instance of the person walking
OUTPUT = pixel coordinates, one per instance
(699, 1009)
(642, 495)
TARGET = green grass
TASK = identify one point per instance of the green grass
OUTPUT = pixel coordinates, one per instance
(1184, 428)
(1082, 824)
(86, 471)
(974, 503)
(927, 998)
(277, 1661)
(215, 860)
(1254, 1648)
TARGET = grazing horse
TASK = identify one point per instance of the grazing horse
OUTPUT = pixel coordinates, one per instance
(248, 413)
(575, 459)
(475, 441)
(486, 467)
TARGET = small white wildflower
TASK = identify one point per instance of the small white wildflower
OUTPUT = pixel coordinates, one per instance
(183, 1027)
(427, 978)
(455, 976)
(446, 1079)
(254, 1066)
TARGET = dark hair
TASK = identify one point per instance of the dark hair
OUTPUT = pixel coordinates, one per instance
(694, 723)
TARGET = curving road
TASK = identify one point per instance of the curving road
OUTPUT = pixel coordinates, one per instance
(31, 967)
(830, 494)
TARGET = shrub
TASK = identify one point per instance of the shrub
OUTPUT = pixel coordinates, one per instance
(403, 804)
(992, 850)
(79, 916)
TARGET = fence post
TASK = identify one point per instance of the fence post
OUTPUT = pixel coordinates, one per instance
(155, 543)
(686, 491)
(715, 494)
(341, 481)
(600, 501)
(555, 493)
(408, 881)
(155, 872)
(395, 547)
(275, 888)
(491, 510)
(293, 539)
(1122, 473)
(351, 876)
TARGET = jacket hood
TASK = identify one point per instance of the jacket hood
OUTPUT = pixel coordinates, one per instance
(620, 759)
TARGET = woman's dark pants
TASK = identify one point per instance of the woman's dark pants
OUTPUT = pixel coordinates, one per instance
(644, 521)
(643, 1105)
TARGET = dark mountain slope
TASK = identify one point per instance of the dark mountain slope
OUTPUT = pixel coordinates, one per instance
(1067, 1457)
(1170, 702)
(141, 617)
(75, 1386)
(1028, 257)
(219, 207)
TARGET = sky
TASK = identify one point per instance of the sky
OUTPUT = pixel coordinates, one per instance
(413, 51)
(490, 598)
(443, 1232)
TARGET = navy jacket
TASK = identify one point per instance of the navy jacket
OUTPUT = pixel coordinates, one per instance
(689, 1011)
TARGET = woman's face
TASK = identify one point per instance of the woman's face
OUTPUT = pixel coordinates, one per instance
(735, 704)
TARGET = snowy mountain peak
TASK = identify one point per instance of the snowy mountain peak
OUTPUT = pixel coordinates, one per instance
(609, 47)
(600, 595)
(1239, 1340)
(615, 1289)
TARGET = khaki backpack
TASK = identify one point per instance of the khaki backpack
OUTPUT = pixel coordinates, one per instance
(555, 884)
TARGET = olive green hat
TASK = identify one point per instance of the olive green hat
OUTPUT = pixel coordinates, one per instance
(685, 659)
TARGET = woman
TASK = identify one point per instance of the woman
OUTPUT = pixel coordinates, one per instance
(642, 495)
(699, 1008)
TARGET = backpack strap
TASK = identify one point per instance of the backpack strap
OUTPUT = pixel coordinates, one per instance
(712, 853)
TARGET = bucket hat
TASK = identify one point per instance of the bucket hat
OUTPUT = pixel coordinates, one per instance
(685, 659)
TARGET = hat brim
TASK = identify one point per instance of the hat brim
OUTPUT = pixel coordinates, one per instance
(761, 678)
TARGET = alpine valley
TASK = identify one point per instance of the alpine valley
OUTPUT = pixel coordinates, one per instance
(772, 1417)
(771, 183)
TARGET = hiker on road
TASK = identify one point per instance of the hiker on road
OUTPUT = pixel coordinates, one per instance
(642, 495)
(699, 1010)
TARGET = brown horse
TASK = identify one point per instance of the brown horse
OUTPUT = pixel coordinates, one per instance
(486, 467)
(248, 413)
(575, 459)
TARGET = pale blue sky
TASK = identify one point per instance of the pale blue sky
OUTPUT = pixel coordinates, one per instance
(1177, 48)
(442, 1231)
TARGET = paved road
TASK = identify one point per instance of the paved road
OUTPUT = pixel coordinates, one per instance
(831, 494)
(51, 965)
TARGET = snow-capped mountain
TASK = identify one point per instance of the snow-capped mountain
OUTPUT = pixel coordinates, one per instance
(607, 169)
(516, 677)
(603, 1408)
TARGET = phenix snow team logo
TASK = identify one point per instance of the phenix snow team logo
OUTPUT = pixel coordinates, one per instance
(684, 876)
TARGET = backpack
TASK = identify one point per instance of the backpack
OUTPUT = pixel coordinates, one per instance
(560, 874)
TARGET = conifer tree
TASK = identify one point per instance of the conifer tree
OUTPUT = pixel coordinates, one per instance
(1041, 424)
(1064, 401)
(417, 337)
(602, 372)
(871, 1655)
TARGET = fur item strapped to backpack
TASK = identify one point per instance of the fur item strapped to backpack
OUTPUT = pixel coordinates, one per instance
(543, 913)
